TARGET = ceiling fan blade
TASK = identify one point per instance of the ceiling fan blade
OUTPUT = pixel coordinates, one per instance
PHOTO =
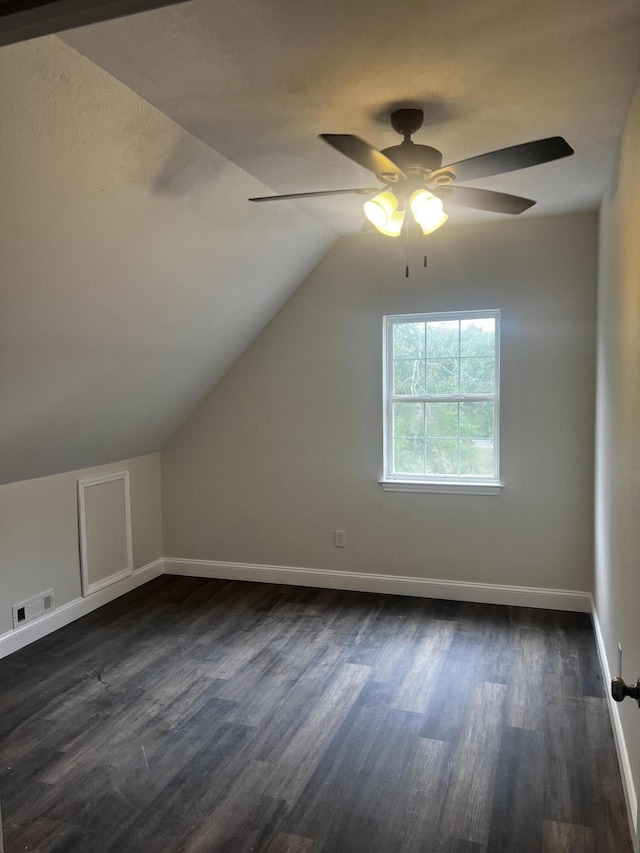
(487, 200)
(313, 194)
(507, 159)
(366, 155)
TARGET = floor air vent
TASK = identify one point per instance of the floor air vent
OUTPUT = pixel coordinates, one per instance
(32, 608)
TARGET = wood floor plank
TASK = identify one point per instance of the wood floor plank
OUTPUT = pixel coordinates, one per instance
(193, 792)
(284, 843)
(479, 652)
(588, 664)
(467, 808)
(334, 791)
(384, 646)
(419, 683)
(373, 819)
(171, 687)
(609, 803)
(425, 789)
(528, 681)
(218, 830)
(488, 628)
(297, 703)
(570, 794)
(567, 838)
(299, 760)
(41, 836)
(518, 800)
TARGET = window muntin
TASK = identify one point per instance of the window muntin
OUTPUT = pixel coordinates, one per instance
(442, 397)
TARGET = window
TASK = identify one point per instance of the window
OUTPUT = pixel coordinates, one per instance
(441, 406)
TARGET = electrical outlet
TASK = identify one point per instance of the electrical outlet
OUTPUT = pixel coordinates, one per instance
(339, 538)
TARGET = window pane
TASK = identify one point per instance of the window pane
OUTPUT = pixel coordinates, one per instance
(408, 340)
(442, 339)
(442, 376)
(408, 420)
(477, 375)
(408, 456)
(478, 337)
(442, 420)
(408, 377)
(476, 420)
(442, 456)
(476, 457)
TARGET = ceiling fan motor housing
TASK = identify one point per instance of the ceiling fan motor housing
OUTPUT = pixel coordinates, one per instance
(414, 159)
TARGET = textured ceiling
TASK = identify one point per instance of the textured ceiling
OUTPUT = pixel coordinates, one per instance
(134, 272)
(257, 80)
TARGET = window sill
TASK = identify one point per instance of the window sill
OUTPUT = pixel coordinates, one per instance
(442, 487)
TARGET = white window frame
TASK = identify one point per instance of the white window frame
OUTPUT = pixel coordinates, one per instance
(429, 482)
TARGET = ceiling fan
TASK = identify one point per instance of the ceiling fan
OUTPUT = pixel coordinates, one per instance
(414, 174)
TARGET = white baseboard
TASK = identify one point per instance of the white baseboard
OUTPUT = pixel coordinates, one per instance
(618, 733)
(484, 593)
(60, 616)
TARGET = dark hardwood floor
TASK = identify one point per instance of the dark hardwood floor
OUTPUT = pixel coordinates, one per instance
(210, 716)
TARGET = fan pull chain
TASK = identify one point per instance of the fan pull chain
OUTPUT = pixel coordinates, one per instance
(425, 250)
(406, 231)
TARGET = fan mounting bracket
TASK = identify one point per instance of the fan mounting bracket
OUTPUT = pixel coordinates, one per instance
(406, 121)
(442, 192)
(444, 178)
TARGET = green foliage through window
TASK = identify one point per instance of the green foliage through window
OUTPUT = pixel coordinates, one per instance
(443, 396)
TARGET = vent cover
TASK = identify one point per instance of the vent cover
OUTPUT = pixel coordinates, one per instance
(32, 608)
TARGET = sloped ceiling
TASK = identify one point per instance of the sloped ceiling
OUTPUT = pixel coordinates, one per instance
(133, 272)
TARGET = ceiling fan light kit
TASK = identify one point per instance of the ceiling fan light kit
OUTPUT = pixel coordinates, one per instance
(387, 213)
(413, 175)
(427, 211)
(384, 212)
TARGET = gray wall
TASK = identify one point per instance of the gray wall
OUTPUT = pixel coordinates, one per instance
(39, 531)
(289, 445)
(617, 524)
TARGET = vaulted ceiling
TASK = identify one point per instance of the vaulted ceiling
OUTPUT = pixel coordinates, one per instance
(133, 271)
(258, 80)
